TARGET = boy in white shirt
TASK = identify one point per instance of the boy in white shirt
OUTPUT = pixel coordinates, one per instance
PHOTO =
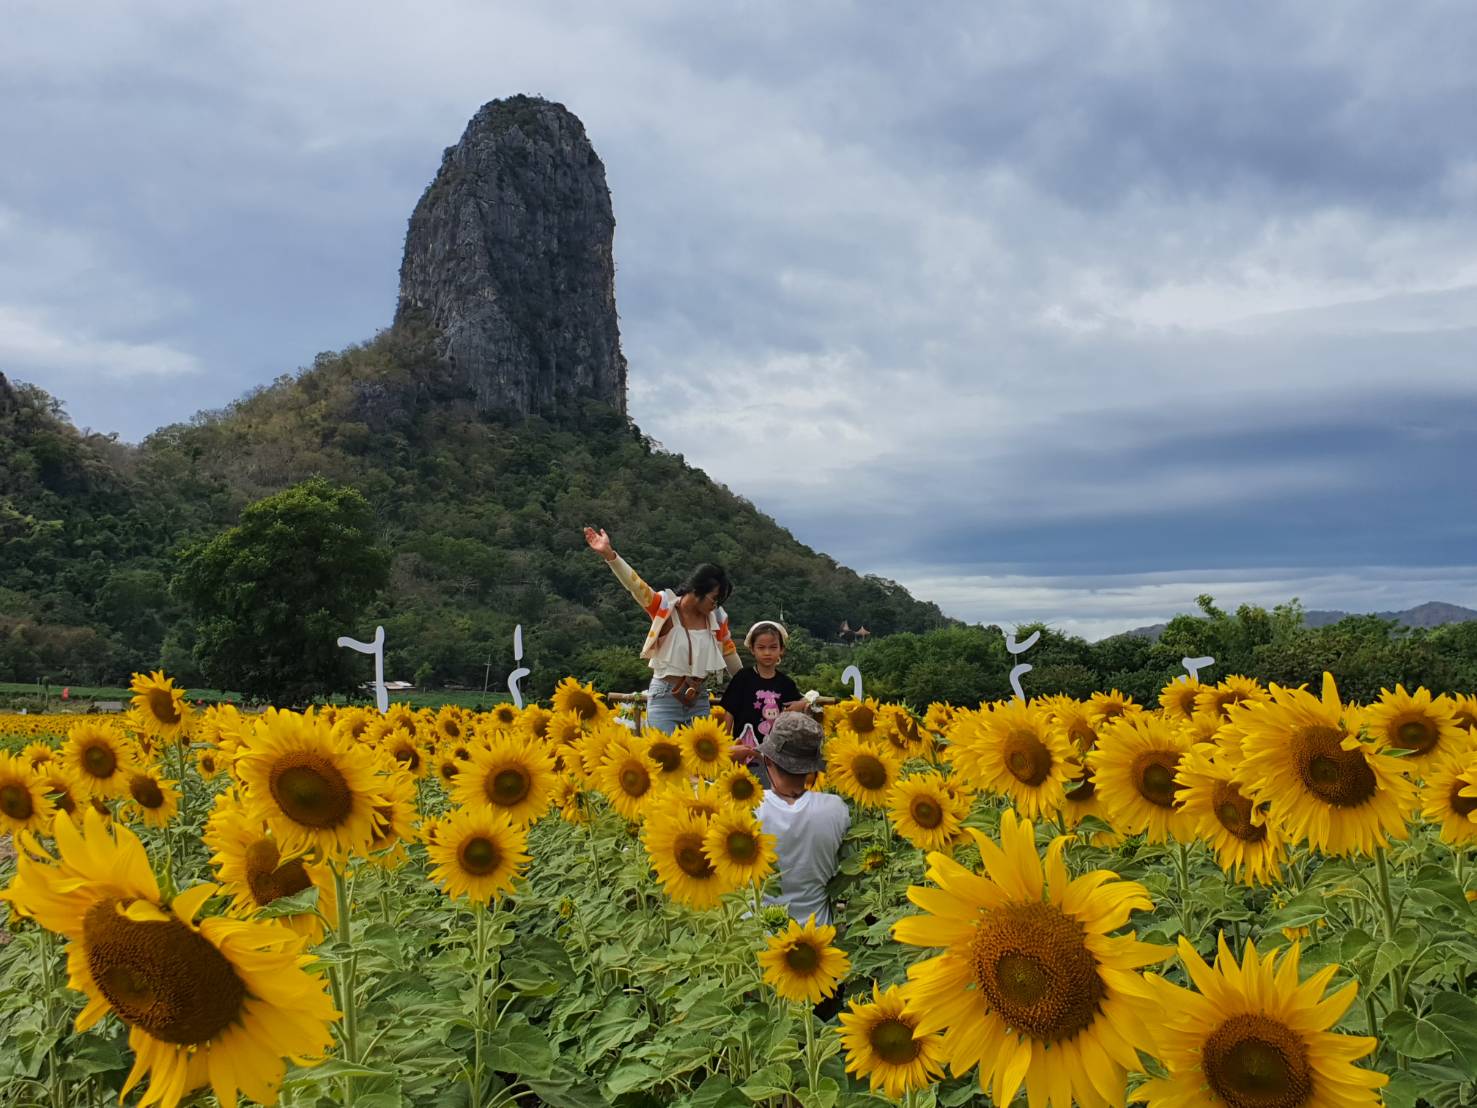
(808, 826)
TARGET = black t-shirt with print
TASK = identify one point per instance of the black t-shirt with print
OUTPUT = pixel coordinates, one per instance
(757, 700)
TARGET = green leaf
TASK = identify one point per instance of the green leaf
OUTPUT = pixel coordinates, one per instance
(299, 903)
(517, 1047)
(630, 1076)
(716, 1092)
(1455, 1016)
(1415, 1037)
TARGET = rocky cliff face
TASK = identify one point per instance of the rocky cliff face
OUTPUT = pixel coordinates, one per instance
(509, 254)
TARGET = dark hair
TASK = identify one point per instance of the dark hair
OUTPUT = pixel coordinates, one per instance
(770, 629)
(704, 579)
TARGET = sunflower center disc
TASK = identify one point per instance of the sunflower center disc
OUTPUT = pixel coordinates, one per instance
(1255, 1062)
(99, 760)
(863, 720)
(667, 755)
(451, 730)
(1080, 792)
(162, 977)
(267, 880)
(1084, 737)
(803, 957)
(479, 856)
(161, 707)
(311, 791)
(1032, 964)
(584, 705)
(1337, 776)
(705, 749)
(1416, 735)
(926, 812)
(1027, 758)
(893, 1042)
(742, 847)
(1153, 776)
(741, 789)
(635, 781)
(60, 797)
(688, 852)
(448, 769)
(15, 802)
(1234, 812)
(508, 787)
(146, 791)
(1462, 805)
(869, 772)
(408, 757)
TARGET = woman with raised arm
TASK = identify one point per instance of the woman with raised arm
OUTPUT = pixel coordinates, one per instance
(688, 639)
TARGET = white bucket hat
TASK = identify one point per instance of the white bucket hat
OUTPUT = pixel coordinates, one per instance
(767, 625)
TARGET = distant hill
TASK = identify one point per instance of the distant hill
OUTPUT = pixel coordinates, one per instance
(1433, 613)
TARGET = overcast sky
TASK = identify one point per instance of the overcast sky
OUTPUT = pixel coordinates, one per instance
(1060, 311)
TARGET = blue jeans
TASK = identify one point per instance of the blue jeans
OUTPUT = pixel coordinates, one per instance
(665, 713)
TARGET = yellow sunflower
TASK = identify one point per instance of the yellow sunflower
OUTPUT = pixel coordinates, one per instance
(1426, 726)
(880, 1044)
(738, 848)
(1303, 755)
(862, 719)
(571, 800)
(219, 1004)
(1133, 769)
(1254, 1034)
(315, 789)
(582, 700)
(23, 802)
(1247, 841)
(403, 747)
(1015, 750)
(670, 755)
(563, 729)
(251, 868)
(354, 724)
(151, 799)
(160, 706)
(699, 797)
(37, 755)
(503, 717)
(100, 759)
(446, 766)
(627, 776)
(704, 748)
(1104, 707)
(533, 721)
(398, 716)
(1081, 801)
(1450, 798)
(512, 774)
(801, 963)
(924, 812)
(739, 785)
(674, 844)
(1074, 719)
(394, 815)
(1464, 708)
(1216, 701)
(938, 717)
(209, 761)
(478, 853)
(61, 788)
(905, 733)
(1033, 988)
(864, 771)
(1177, 698)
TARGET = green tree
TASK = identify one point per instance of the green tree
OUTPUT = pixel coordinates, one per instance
(271, 595)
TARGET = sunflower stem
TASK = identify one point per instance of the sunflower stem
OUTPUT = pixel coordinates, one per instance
(1382, 869)
(1184, 876)
(812, 1069)
(479, 967)
(345, 971)
(48, 986)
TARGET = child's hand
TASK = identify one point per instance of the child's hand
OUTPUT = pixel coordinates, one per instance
(741, 753)
(801, 705)
(599, 542)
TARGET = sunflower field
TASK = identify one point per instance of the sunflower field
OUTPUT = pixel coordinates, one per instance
(1245, 896)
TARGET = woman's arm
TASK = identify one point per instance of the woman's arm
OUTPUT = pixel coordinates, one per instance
(644, 594)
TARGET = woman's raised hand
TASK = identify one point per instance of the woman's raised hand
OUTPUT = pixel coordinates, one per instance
(599, 542)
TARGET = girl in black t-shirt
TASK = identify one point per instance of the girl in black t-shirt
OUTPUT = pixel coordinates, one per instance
(759, 693)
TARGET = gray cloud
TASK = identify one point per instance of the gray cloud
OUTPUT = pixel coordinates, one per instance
(1015, 291)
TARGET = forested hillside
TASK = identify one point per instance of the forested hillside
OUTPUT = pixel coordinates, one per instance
(482, 517)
